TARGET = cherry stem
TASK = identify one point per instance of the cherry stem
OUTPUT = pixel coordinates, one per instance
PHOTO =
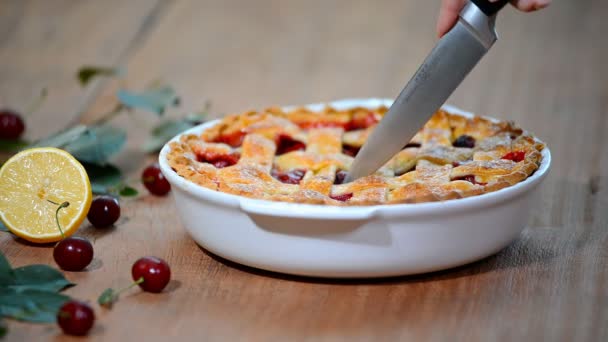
(64, 314)
(135, 283)
(60, 206)
(36, 103)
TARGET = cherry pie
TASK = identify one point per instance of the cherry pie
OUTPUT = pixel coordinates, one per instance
(302, 156)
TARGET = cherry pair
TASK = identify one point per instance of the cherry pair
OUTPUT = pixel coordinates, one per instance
(152, 274)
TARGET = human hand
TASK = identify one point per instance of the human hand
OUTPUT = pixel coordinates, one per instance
(448, 14)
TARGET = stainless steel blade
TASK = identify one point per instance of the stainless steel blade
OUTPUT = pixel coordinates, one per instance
(443, 70)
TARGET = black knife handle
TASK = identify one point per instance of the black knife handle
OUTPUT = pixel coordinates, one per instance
(490, 8)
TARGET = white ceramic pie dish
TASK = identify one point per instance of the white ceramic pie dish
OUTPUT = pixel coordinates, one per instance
(352, 242)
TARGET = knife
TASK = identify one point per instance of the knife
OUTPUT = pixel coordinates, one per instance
(454, 56)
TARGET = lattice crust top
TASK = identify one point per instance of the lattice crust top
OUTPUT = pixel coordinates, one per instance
(301, 156)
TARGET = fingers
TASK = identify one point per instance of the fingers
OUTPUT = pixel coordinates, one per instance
(530, 5)
(448, 15)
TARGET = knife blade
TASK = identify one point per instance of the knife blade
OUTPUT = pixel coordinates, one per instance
(454, 56)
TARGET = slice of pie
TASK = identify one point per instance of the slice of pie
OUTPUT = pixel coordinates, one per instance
(302, 156)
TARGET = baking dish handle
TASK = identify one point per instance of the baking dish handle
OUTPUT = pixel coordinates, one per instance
(303, 211)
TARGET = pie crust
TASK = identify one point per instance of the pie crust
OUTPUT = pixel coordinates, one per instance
(301, 156)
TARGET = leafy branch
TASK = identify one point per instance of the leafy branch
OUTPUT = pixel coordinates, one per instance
(96, 143)
(30, 293)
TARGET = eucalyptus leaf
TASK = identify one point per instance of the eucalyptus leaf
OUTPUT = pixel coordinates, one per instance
(128, 191)
(3, 328)
(163, 133)
(12, 145)
(7, 275)
(107, 298)
(103, 178)
(31, 305)
(94, 144)
(97, 144)
(29, 293)
(196, 118)
(154, 100)
(88, 73)
(38, 277)
(62, 138)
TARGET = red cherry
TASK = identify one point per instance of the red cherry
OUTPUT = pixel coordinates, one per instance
(515, 156)
(73, 253)
(11, 125)
(154, 271)
(340, 176)
(412, 145)
(290, 177)
(285, 144)
(464, 141)
(362, 122)
(469, 178)
(75, 318)
(104, 211)
(350, 150)
(219, 160)
(155, 181)
(342, 197)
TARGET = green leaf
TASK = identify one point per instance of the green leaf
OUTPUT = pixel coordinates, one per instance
(98, 144)
(3, 227)
(62, 138)
(3, 328)
(88, 73)
(12, 145)
(103, 178)
(29, 293)
(196, 118)
(107, 179)
(88, 144)
(128, 191)
(31, 305)
(38, 277)
(163, 133)
(107, 298)
(154, 100)
(7, 275)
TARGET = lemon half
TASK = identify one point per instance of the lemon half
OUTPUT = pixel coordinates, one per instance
(32, 185)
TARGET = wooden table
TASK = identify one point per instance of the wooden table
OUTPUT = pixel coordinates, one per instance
(549, 73)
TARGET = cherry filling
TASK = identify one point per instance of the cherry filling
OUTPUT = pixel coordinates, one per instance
(411, 145)
(358, 122)
(515, 156)
(342, 197)
(464, 141)
(290, 177)
(234, 139)
(320, 124)
(219, 160)
(285, 144)
(361, 122)
(469, 178)
(350, 150)
(340, 176)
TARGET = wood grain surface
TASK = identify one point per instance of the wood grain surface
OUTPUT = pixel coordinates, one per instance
(548, 73)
